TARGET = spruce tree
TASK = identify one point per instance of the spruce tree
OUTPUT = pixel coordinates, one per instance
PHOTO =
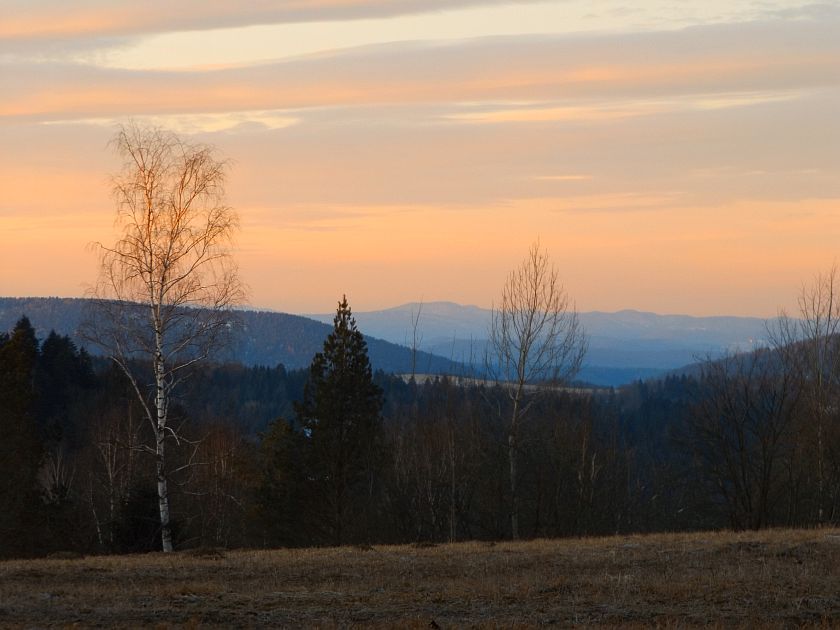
(281, 494)
(20, 511)
(341, 417)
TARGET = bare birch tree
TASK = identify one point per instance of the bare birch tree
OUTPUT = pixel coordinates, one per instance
(166, 286)
(536, 341)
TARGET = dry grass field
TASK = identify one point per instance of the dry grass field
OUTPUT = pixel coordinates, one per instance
(767, 579)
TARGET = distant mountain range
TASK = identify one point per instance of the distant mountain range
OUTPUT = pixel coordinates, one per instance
(623, 346)
(264, 338)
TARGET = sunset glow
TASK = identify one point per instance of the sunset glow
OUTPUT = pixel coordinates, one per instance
(669, 158)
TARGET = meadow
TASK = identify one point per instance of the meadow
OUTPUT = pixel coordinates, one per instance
(775, 578)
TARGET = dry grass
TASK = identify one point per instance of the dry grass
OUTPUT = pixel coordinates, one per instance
(767, 579)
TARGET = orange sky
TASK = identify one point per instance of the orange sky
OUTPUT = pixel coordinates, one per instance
(674, 159)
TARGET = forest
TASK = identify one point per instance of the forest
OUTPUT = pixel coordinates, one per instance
(155, 443)
(739, 443)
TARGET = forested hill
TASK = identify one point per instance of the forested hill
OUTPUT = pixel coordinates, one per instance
(263, 338)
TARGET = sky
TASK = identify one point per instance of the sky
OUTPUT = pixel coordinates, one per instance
(670, 156)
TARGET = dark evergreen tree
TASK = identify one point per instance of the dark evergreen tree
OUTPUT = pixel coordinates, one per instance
(64, 389)
(341, 416)
(20, 457)
(281, 493)
(63, 382)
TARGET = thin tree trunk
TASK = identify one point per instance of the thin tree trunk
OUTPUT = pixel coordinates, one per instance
(820, 469)
(339, 507)
(452, 494)
(96, 517)
(513, 457)
(160, 439)
(163, 497)
(514, 495)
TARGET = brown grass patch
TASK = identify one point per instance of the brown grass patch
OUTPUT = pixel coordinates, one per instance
(767, 579)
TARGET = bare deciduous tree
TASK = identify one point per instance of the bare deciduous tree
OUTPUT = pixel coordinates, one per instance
(416, 337)
(810, 346)
(166, 286)
(743, 431)
(536, 341)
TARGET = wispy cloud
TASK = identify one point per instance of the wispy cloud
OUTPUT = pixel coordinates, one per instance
(47, 27)
(562, 178)
(200, 123)
(23, 19)
(599, 111)
(715, 65)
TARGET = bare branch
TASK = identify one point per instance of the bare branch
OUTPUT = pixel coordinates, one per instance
(535, 339)
(166, 285)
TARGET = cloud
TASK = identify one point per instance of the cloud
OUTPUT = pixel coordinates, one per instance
(57, 19)
(617, 110)
(568, 77)
(563, 178)
(237, 121)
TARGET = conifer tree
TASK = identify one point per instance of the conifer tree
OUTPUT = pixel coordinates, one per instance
(341, 416)
(21, 455)
(281, 492)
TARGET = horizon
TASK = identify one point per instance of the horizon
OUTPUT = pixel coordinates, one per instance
(672, 159)
(422, 304)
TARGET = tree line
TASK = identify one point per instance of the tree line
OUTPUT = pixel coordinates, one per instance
(97, 451)
(339, 455)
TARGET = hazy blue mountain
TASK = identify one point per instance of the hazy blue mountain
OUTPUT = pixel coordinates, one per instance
(262, 338)
(623, 346)
(439, 323)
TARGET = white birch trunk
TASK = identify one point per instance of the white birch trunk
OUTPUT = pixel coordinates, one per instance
(160, 441)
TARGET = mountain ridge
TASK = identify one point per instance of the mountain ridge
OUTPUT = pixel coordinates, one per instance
(624, 346)
(265, 338)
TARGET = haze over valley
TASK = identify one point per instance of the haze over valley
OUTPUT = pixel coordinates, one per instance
(452, 339)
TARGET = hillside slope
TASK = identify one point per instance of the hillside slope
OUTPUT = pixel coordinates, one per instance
(262, 338)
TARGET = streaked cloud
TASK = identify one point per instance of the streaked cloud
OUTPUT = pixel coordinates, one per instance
(214, 32)
(557, 114)
(23, 19)
(200, 123)
(563, 178)
(714, 64)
